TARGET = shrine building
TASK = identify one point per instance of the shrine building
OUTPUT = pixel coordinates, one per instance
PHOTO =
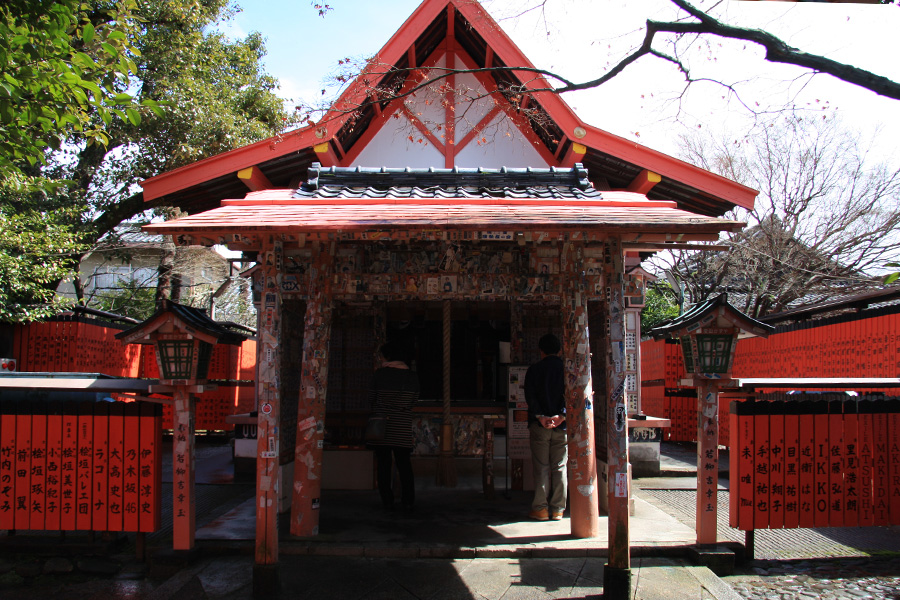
(447, 204)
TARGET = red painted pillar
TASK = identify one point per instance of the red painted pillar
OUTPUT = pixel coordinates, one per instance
(313, 388)
(584, 507)
(268, 438)
(617, 575)
(183, 513)
(707, 459)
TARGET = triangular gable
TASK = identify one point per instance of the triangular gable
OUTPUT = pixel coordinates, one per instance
(458, 34)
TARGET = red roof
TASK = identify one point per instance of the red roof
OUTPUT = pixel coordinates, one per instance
(281, 211)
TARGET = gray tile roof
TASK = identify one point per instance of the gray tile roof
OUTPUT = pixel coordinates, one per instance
(361, 182)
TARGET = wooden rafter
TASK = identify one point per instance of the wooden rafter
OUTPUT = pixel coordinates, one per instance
(254, 179)
(644, 182)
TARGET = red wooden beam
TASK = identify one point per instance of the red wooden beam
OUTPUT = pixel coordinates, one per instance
(396, 105)
(574, 154)
(307, 490)
(707, 460)
(516, 116)
(582, 463)
(476, 131)
(644, 182)
(618, 572)
(268, 473)
(183, 496)
(424, 130)
(450, 93)
(326, 154)
(254, 179)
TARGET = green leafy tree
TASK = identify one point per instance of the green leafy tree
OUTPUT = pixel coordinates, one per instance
(37, 248)
(660, 303)
(65, 69)
(152, 86)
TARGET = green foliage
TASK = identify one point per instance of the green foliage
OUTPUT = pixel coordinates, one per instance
(38, 247)
(64, 68)
(892, 277)
(98, 95)
(660, 303)
(129, 299)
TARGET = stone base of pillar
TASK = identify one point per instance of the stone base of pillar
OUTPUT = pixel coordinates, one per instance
(717, 558)
(616, 583)
(266, 581)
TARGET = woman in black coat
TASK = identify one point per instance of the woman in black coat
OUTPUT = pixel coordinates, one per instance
(395, 389)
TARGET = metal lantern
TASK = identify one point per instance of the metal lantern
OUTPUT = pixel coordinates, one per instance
(709, 350)
(708, 333)
(181, 358)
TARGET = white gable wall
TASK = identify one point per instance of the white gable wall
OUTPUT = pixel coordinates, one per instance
(391, 147)
(500, 144)
(504, 146)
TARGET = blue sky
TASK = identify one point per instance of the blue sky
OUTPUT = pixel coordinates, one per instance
(578, 38)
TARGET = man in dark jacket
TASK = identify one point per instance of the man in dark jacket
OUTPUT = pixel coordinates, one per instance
(545, 392)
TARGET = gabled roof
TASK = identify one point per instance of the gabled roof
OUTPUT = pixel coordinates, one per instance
(466, 29)
(356, 201)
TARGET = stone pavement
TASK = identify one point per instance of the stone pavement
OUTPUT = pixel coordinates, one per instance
(876, 578)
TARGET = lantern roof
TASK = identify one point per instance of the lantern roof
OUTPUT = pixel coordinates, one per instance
(711, 313)
(173, 316)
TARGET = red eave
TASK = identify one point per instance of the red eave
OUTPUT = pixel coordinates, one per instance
(669, 167)
(227, 162)
(393, 217)
(285, 197)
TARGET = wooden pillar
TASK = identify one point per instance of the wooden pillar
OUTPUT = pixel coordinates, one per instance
(617, 583)
(517, 357)
(268, 432)
(584, 509)
(707, 459)
(379, 328)
(183, 501)
(313, 389)
(446, 467)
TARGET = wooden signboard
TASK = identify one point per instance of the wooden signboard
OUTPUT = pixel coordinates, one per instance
(68, 466)
(811, 464)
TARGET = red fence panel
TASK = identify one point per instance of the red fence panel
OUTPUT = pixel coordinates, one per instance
(851, 465)
(791, 466)
(54, 466)
(894, 433)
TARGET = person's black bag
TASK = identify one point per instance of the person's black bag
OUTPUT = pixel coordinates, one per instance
(375, 429)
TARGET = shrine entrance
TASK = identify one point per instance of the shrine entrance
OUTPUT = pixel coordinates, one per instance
(480, 356)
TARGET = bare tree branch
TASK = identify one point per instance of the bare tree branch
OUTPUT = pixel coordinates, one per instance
(827, 215)
(695, 22)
